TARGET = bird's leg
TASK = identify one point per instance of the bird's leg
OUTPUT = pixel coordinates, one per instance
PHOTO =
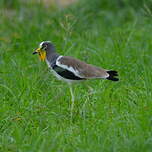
(72, 99)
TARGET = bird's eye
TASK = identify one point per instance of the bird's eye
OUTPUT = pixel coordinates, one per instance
(44, 47)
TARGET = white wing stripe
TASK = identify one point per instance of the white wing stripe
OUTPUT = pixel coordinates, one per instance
(76, 72)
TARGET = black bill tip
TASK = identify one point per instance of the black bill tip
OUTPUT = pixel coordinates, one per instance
(34, 52)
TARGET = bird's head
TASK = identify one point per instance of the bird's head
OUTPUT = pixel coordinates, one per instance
(45, 47)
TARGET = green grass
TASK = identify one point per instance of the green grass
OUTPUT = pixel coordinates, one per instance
(108, 116)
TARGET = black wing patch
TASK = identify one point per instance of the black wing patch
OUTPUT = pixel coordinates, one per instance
(65, 73)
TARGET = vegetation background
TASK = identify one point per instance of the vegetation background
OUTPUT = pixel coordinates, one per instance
(108, 116)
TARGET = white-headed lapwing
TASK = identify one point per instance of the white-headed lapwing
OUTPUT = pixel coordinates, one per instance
(69, 69)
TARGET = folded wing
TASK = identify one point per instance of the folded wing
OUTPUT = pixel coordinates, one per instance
(80, 68)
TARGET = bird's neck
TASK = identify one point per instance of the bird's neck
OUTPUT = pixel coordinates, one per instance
(51, 56)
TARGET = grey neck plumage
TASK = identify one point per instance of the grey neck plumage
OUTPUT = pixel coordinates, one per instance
(51, 56)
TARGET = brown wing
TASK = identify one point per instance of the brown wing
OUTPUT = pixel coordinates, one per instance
(81, 68)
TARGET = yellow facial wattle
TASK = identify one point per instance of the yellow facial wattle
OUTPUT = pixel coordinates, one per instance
(42, 54)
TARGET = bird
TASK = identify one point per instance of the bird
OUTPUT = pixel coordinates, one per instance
(70, 69)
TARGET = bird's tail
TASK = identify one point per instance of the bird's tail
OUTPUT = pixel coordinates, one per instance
(112, 75)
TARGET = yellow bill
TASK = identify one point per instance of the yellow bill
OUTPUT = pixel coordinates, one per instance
(42, 54)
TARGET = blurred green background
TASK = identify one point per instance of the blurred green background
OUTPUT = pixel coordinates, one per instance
(108, 116)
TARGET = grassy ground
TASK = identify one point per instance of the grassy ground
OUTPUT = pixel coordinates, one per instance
(108, 116)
